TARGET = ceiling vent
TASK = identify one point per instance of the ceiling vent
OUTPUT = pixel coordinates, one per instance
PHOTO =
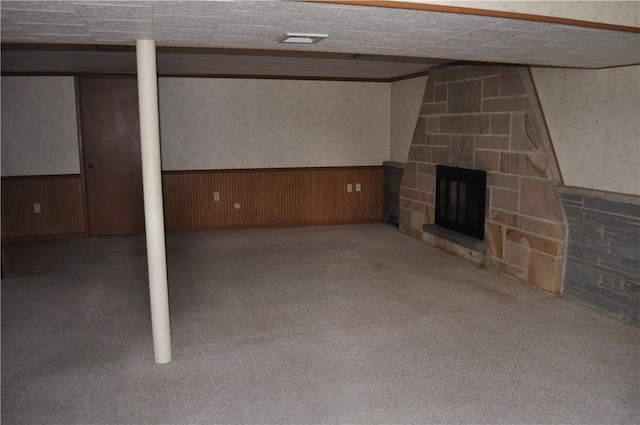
(303, 38)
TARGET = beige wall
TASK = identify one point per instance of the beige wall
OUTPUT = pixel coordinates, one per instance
(406, 99)
(594, 122)
(39, 130)
(236, 123)
(626, 13)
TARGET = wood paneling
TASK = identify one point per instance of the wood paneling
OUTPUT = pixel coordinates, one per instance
(272, 197)
(61, 201)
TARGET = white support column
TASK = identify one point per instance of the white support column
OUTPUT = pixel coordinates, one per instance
(153, 210)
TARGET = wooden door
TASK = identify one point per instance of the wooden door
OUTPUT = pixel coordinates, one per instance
(111, 150)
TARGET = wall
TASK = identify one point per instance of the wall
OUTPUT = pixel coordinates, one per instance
(603, 254)
(208, 125)
(406, 98)
(488, 118)
(235, 123)
(594, 118)
(626, 13)
(39, 126)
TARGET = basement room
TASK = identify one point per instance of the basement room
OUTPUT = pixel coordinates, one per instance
(320, 212)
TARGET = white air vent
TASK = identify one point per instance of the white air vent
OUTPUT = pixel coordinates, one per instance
(303, 38)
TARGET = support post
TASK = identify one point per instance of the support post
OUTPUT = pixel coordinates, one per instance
(153, 209)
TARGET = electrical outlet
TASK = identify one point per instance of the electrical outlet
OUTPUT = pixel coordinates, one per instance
(349, 187)
(216, 196)
(36, 208)
(358, 187)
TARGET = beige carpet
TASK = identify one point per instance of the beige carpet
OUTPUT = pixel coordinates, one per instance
(23, 258)
(317, 325)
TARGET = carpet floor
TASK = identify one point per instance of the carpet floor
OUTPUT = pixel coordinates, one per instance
(313, 325)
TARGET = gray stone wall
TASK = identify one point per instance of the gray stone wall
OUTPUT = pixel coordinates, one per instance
(603, 255)
(392, 179)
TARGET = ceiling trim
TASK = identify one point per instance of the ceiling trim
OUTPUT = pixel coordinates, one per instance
(479, 12)
(219, 76)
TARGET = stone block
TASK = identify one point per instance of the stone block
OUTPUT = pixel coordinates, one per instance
(409, 175)
(440, 93)
(465, 124)
(544, 272)
(420, 132)
(493, 234)
(539, 199)
(412, 205)
(419, 153)
(573, 241)
(538, 243)
(524, 133)
(503, 180)
(429, 169)
(438, 140)
(462, 151)
(501, 124)
(533, 164)
(506, 104)
(621, 283)
(509, 270)
(453, 248)
(528, 224)
(491, 87)
(626, 251)
(572, 198)
(465, 72)
(510, 81)
(630, 265)
(464, 96)
(440, 155)
(573, 213)
(582, 254)
(426, 183)
(417, 219)
(433, 108)
(622, 299)
(405, 221)
(428, 90)
(433, 124)
(415, 195)
(588, 239)
(492, 142)
(579, 274)
(516, 255)
(505, 199)
(487, 160)
(611, 207)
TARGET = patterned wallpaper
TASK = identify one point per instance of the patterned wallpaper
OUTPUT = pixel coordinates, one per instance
(406, 99)
(236, 123)
(39, 131)
(610, 12)
(594, 122)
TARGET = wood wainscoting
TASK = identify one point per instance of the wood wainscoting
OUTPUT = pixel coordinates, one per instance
(61, 201)
(266, 198)
(272, 197)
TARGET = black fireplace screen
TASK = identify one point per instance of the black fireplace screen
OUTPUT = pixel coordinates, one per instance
(460, 200)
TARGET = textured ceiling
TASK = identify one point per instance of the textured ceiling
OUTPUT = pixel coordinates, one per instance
(256, 26)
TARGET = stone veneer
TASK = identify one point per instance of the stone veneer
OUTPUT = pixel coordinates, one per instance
(603, 252)
(488, 118)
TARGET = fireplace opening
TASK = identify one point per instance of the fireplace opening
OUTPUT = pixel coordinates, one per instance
(460, 200)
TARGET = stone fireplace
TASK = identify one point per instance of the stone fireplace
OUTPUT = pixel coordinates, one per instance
(488, 118)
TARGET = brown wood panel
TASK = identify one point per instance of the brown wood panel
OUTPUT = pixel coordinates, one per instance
(271, 197)
(61, 201)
